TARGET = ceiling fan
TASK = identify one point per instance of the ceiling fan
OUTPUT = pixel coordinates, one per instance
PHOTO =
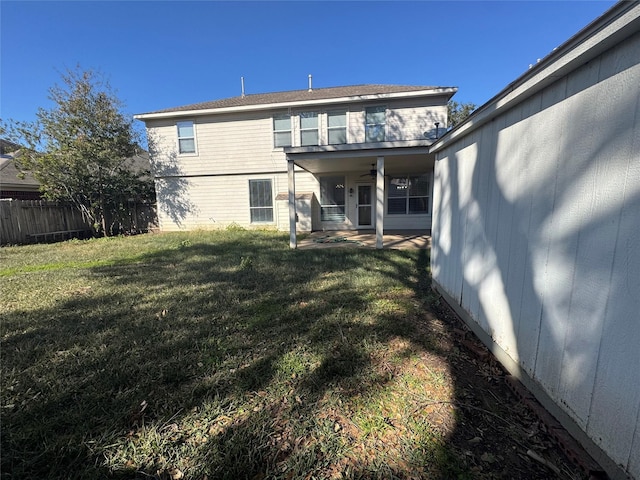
(372, 173)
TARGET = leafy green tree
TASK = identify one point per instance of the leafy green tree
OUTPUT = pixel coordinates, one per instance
(82, 149)
(458, 112)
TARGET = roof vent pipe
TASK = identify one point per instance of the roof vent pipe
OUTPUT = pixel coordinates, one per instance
(242, 83)
(310, 89)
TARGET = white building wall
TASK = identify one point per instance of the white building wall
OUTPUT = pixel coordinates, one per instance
(537, 236)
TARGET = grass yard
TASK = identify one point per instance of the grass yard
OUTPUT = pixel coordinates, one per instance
(225, 355)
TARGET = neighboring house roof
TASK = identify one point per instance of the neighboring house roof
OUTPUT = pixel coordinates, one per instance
(7, 147)
(139, 162)
(351, 93)
(11, 179)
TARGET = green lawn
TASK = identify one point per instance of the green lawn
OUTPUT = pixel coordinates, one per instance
(211, 355)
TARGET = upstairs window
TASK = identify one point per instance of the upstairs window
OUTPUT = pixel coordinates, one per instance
(408, 195)
(332, 199)
(375, 124)
(337, 127)
(186, 137)
(282, 130)
(308, 128)
(260, 201)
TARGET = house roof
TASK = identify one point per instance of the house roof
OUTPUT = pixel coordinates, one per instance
(302, 97)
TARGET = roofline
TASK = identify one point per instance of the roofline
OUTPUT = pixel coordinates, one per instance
(619, 22)
(431, 92)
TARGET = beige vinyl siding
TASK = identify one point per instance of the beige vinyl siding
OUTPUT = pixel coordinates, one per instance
(410, 121)
(210, 189)
(405, 120)
(226, 144)
(212, 202)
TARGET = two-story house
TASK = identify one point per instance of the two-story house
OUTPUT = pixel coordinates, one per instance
(337, 158)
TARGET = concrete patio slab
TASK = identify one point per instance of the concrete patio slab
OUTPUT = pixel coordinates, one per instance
(396, 239)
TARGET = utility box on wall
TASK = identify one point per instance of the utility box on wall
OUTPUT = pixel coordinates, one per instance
(304, 211)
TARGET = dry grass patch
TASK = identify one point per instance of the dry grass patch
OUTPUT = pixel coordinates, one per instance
(226, 355)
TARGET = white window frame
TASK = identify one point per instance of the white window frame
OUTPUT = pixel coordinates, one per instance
(346, 124)
(315, 129)
(367, 125)
(195, 141)
(253, 208)
(340, 217)
(289, 130)
(407, 198)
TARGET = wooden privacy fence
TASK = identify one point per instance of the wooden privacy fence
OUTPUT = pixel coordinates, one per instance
(34, 221)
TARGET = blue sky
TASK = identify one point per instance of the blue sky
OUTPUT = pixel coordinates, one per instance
(163, 54)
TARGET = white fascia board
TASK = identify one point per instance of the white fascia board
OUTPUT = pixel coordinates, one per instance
(618, 23)
(301, 103)
(353, 150)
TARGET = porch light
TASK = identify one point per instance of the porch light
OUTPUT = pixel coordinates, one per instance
(351, 192)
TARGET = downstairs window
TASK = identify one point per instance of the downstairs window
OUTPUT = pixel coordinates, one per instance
(408, 195)
(260, 201)
(332, 199)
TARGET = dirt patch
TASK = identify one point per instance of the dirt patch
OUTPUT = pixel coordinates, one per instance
(495, 432)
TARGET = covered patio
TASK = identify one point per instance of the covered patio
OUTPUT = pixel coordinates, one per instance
(366, 175)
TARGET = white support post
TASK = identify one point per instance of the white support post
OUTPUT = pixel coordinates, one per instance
(380, 202)
(293, 241)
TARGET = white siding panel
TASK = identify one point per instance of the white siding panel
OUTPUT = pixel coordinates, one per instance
(470, 228)
(506, 177)
(554, 269)
(479, 260)
(442, 216)
(617, 382)
(512, 176)
(616, 395)
(530, 209)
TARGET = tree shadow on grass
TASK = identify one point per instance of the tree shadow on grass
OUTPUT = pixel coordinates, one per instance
(234, 358)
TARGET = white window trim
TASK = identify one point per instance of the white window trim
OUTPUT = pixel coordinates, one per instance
(323, 205)
(195, 139)
(273, 207)
(274, 131)
(316, 129)
(407, 197)
(346, 127)
(386, 133)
